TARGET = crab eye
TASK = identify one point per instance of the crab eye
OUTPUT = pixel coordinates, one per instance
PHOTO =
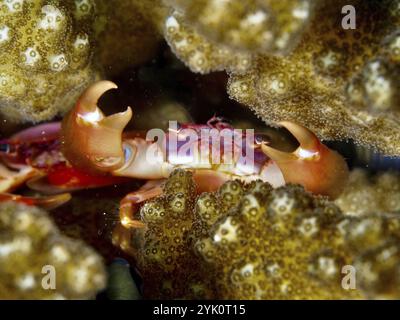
(5, 148)
(129, 152)
(261, 138)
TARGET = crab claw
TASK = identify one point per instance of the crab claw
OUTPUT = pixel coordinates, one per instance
(47, 202)
(319, 169)
(92, 141)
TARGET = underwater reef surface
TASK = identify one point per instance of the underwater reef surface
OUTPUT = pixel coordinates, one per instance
(342, 84)
(45, 57)
(287, 60)
(51, 50)
(255, 242)
(128, 33)
(30, 241)
(198, 53)
(367, 193)
(251, 26)
(349, 76)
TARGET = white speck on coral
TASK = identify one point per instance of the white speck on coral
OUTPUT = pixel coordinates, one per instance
(311, 223)
(32, 56)
(4, 34)
(283, 204)
(58, 62)
(26, 282)
(81, 41)
(226, 231)
(60, 254)
(247, 270)
(301, 12)
(327, 265)
(24, 221)
(14, 5)
(80, 279)
(255, 18)
(52, 17)
(23, 244)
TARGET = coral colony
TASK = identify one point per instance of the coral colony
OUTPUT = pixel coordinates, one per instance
(224, 165)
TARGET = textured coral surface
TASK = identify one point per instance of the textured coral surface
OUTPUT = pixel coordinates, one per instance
(301, 64)
(128, 33)
(253, 25)
(339, 83)
(198, 53)
(285, 60)
(45, 56)
(255, 242)
(29, 241)
(366, 193)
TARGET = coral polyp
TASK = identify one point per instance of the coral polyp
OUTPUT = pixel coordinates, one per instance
(45, 56)
(131, 28)
(254, 242)
(350, 75)
(249, 154)
(252, 26)
(198, 53)
(31, 247)
(367, 193)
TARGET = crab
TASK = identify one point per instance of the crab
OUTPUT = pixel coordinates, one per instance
(89, 150)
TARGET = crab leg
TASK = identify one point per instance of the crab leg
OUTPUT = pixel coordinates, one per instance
(10, 179)
(41, 133)
(130, 203)
(49, 203)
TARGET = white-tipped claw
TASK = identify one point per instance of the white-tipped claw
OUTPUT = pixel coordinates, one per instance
(91, 141)
(313, 165)
(117, 121)
(88, 100)
(306, 138)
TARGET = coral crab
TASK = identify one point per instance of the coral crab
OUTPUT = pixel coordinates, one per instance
(90, 150)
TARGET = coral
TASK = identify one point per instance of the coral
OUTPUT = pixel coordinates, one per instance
(45, 56)
(272, 244)
(253, 25)
(197, 52)
(366, 194)
(29, 243)
(375, 241)
(255, 242)
(348, 76)
(161, 251)
(130, 28)
(379, 271)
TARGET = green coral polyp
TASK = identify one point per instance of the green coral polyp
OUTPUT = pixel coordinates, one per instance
(200, 54)
(45, 56)
(29, 243)
(347, 75)
(248, 26)
(255, 242)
